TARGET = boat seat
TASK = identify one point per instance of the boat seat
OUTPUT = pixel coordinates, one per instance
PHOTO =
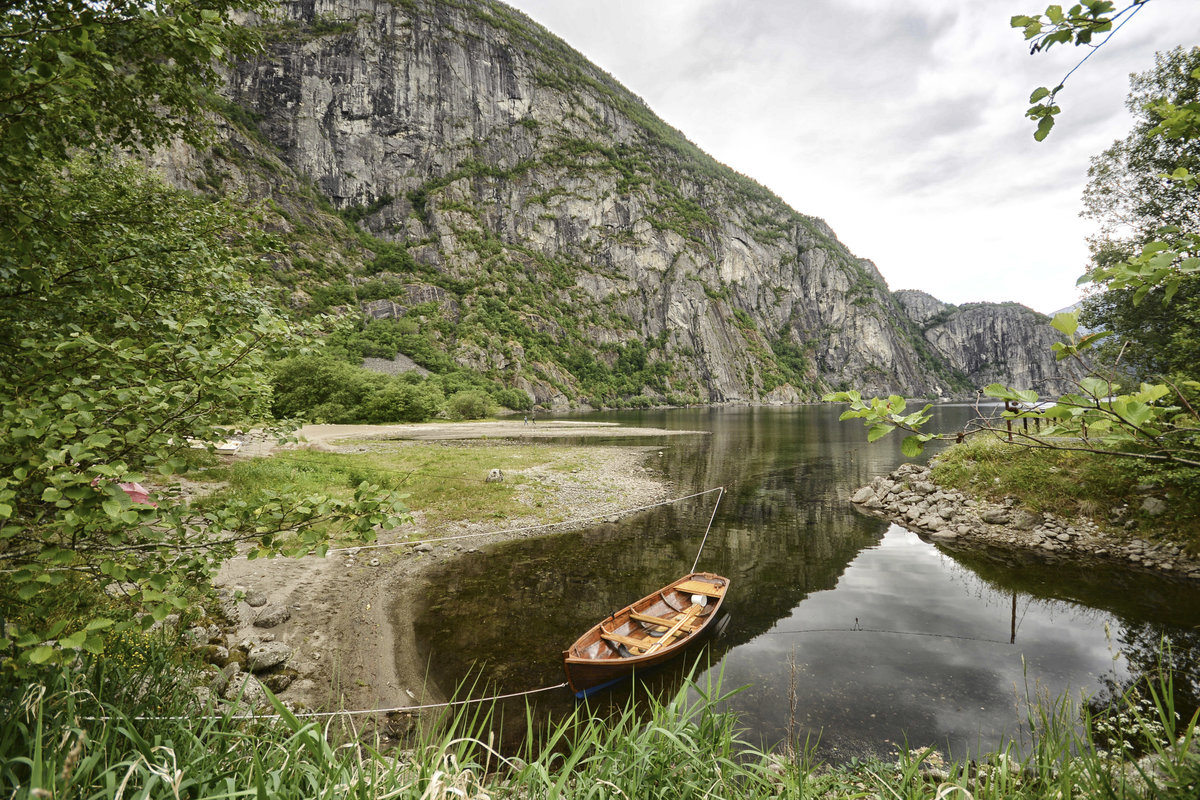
(663, 621)
(700, 587)
(628, 641)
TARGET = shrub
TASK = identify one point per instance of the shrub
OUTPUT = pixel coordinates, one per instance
(402, 402)
(514, 399)
(468, 404)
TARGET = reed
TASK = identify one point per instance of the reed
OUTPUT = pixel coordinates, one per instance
(79, 735)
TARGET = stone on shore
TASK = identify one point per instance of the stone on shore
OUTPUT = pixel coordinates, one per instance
(269, 654)
(863, 495)
(270, 616)
(910, 498)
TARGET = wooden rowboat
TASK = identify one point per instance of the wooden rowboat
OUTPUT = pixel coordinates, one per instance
(646, 633)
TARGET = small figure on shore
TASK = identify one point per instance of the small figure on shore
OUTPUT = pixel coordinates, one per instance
(525, 420)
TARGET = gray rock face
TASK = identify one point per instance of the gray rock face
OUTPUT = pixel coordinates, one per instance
(921, 308)
(1001, 343)
(506, 161)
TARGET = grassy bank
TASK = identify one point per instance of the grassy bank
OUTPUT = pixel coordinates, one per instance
(79, 734)
(1111, 489)
(445, 480)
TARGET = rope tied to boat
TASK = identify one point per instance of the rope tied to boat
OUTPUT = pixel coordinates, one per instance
(721, 490)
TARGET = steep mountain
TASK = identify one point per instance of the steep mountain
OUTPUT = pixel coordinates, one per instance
(991, 342)
(522, 214)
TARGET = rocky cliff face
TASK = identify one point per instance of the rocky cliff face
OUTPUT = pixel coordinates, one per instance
(571, 232)
(991, 342)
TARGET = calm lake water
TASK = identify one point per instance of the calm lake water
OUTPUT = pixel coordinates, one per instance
(840, 626)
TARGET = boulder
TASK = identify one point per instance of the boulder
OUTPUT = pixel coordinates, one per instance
(995, 516)
(932, 522)
(863, 495)
(245, 687)
(221, 680)
(280, 679)
(269, 654)
(270, 616)
(1026, 520)
(1154, 506)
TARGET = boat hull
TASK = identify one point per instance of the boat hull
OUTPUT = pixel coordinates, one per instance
(646, 633)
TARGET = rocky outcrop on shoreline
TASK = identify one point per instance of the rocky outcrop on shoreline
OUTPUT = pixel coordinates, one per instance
(909, 497)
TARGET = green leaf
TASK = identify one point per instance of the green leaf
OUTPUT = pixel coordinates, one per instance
(1094, 387)
(40, 655)
(999, 391)
(1043, 128)
(1065, 323)
(912, 446)
(74, 641)
(877, 432)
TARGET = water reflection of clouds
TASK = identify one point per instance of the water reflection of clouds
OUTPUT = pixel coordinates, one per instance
(910, 644)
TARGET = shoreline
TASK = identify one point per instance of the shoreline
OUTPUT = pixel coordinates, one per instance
(348, 640)
(908, 497)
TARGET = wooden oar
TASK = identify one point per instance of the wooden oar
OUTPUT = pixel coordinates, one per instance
(669, 635)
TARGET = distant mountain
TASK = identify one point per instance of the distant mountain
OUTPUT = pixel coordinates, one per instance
(1004, 343)
(487, 198)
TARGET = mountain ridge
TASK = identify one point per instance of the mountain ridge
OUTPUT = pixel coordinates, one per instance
(538, 223)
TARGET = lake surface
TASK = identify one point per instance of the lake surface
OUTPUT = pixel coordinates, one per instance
(842, 628)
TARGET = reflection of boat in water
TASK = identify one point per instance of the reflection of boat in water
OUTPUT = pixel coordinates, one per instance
(645, 633)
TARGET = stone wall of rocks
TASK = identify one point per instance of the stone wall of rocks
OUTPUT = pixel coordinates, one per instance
(238, 670)
(910, 498)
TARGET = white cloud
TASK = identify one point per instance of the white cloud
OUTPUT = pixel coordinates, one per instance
(900, 124)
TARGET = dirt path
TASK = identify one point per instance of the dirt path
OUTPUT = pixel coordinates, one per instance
(345, 647)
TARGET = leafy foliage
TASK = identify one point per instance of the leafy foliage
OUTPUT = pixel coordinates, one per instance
(140, 337)
(882, 416)
(468, 404)
(129, 330)
(80, 74)
(1080, 25)
(1156, 423)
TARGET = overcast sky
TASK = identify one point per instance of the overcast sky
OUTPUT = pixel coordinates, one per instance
(899, 123)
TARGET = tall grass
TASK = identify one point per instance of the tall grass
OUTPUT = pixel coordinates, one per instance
(79, 734)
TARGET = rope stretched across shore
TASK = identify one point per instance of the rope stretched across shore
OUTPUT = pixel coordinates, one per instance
(326, 714)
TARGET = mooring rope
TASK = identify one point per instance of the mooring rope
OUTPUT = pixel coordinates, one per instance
(527, 528)
(703, 541)
(344, 712)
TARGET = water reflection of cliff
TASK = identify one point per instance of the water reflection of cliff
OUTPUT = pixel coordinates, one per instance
(892, 637)
(783, 530)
